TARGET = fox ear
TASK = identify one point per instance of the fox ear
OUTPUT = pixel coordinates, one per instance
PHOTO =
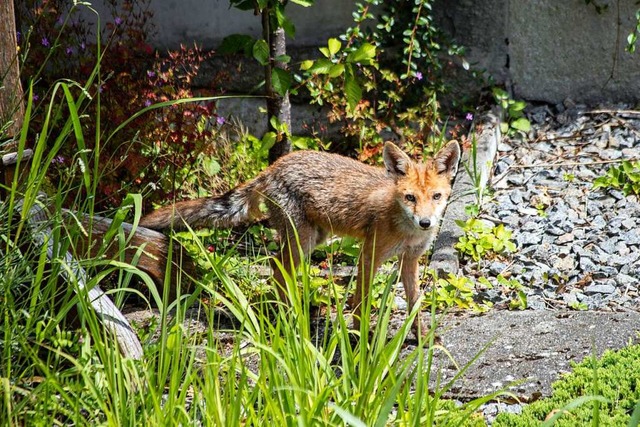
(395, 160)
(447, 159)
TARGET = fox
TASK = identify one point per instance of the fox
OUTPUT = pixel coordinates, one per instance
(309, 195)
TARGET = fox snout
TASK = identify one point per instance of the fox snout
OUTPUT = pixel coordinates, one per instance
(424, 223)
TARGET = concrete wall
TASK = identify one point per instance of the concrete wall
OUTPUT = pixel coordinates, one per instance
(545, 50)
(549, 50)
(209, 21)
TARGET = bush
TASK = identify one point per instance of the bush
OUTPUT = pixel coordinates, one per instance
(155, 150)
(615, 377)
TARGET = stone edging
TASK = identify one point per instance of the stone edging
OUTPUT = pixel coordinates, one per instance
(444, 258)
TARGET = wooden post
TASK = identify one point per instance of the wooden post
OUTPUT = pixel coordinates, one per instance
(11, 106)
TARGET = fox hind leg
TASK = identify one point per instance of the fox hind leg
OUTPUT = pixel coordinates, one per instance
(298, 239)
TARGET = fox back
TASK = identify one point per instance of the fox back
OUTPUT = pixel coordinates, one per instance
(308, 195)
(331, 193)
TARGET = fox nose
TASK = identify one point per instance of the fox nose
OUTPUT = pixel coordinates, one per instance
(425, 223)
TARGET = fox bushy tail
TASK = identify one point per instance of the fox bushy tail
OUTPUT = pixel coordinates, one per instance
(236, 207)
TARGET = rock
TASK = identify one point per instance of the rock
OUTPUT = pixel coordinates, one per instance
(564, 264)
(525, 238)
(600, 289)
(587, 265)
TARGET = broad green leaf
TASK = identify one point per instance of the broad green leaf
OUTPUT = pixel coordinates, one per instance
(261, 52)
(304, 3)
(336, 70)
(363, 55)
(243, 4)
(284, 22)
(353, 91)
(281, 81)
(321, 66)
(236, 43)
(518, 106)
(521, 124)
(211, 166)
(305, 65)
(285, 59)
(334, 46)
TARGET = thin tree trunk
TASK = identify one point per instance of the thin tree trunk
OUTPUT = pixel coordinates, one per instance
(277, 106)
(11, 107)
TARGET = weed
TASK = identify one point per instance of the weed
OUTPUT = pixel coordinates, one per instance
(516, 122)
(625, 177)
(481, 240)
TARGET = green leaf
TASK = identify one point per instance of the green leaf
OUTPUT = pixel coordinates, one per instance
(334, 46)
(243, 4)
(284, 22)
(285, 59)
(281, 81)
(325, 51)
(352, 90)
(321, 66)
(518, 106)
(363, 55)
(211, 166)
(521, 124)
(305, 65)
(304, 3)
(261, 52)
(236, 43)
(336, 70)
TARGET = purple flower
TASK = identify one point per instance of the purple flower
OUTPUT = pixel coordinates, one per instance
(220, 120)
(147, 103)
(18, 36)
(117, 20)
(418, 75)
(469, 116)
(57, 160)
(83, 46)
(69, 50)
(45, 42)
(35, 97)
(151, 74)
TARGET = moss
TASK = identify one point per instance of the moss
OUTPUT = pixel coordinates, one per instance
(615, 376)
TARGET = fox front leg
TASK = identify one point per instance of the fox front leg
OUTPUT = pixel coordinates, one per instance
(411, 282)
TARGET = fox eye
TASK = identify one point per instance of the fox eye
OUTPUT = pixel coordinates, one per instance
(437, 196)
(410, 198)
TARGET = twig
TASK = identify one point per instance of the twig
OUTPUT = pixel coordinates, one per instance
(595, 162)
(607, 111)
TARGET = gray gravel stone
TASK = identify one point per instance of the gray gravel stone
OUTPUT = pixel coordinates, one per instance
(568, 234)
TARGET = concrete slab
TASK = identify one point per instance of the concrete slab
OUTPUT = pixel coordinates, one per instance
(526, 350)
(473, 173)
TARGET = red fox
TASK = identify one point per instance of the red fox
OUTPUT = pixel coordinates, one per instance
(394, 210)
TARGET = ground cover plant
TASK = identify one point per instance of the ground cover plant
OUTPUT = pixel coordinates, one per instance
(599, 391)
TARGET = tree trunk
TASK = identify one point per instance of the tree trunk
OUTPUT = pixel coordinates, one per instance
(277, 106)
(11, 107)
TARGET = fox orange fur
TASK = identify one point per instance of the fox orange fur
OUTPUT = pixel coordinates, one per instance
(394, 210)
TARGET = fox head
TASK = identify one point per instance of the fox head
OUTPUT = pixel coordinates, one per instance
(422, 189)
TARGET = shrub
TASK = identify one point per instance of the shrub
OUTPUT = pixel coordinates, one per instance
(158, 148)
(614, 377)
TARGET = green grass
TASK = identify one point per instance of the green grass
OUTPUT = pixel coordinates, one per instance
(58, 366)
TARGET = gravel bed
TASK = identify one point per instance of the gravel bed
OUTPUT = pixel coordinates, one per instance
(577, 247)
